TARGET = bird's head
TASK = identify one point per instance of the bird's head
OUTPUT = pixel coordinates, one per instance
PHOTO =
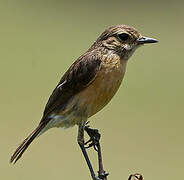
(123, 40)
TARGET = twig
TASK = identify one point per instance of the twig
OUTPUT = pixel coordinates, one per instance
(94, 142)
(101, 173)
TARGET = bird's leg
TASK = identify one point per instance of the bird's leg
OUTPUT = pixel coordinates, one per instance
(95, 142)
(80, 140)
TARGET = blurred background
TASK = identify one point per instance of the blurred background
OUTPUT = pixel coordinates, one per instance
(142, 127)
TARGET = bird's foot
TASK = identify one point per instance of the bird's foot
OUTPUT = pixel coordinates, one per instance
(94, 137)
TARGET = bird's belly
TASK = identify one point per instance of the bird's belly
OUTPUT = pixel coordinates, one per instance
(98, 97)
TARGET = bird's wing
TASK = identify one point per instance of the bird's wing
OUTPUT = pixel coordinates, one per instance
(80, 74)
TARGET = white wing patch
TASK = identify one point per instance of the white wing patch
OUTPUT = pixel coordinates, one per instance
(60, 85)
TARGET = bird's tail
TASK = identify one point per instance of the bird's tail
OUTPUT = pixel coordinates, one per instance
(24, 145)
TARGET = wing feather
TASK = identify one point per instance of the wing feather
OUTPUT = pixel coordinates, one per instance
(80, 74)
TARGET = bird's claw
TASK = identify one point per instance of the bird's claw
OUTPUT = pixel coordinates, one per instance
(94, 137)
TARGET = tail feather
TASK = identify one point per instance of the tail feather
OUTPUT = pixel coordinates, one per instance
(24, 145)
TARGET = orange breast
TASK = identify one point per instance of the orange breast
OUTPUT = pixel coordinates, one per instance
(93, 98)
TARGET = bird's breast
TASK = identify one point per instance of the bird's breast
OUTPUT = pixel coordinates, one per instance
(106, 83)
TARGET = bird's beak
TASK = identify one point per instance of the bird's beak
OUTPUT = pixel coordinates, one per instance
(146, 40)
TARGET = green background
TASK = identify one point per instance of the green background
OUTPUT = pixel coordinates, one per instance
(142, 127)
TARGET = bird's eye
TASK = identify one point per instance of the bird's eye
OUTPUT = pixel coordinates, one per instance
(123, 36)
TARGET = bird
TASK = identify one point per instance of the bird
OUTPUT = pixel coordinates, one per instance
(88, 85)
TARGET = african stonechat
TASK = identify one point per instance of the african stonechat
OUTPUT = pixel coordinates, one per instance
(88, 85)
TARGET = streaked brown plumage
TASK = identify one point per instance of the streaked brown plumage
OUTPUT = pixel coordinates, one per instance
(89, 83)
